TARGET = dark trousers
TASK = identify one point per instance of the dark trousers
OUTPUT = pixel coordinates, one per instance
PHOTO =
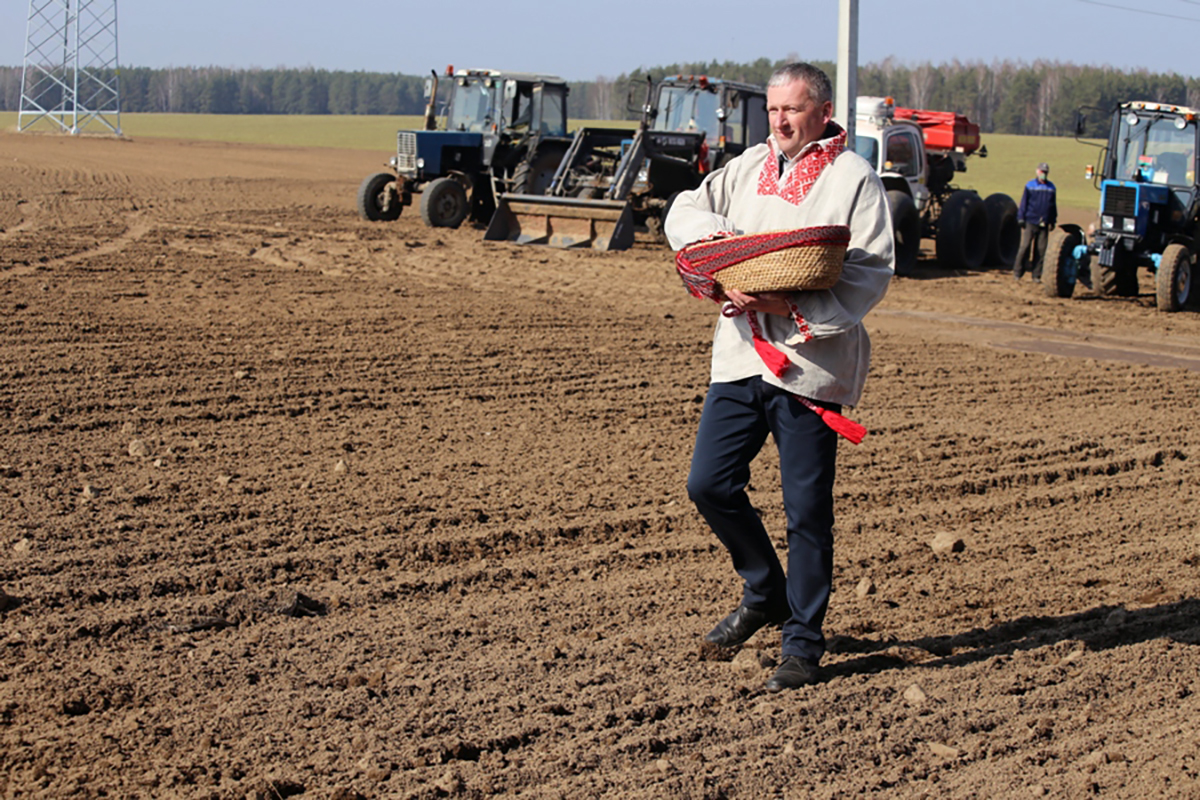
(1033, 250)
(733, 428)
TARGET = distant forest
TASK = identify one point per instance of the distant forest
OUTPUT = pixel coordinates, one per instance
(1003, 96)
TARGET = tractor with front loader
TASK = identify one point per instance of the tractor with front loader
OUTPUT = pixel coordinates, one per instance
(917, 154)
(614, 181)
(1149, 209)
(502, 132)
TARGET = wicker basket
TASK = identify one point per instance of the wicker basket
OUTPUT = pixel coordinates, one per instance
(778, 261)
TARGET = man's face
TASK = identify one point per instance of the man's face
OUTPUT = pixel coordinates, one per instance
(1041, 176)
(795, 119)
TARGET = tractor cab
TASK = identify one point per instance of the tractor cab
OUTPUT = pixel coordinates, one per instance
(488, 101)
(730, 115)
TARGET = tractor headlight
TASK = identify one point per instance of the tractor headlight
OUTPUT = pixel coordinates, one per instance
(1129, 224)
(420, 163)
(1106, 222)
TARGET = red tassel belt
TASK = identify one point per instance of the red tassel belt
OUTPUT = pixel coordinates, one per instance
(778, 363)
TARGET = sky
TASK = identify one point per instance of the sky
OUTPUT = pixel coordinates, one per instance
(580, 41)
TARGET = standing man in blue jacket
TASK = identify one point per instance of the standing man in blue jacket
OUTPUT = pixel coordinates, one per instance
(1036, 215)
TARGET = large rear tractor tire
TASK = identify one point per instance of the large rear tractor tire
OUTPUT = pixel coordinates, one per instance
(906, 226)
(444, 203)
(1173, 281)
(533, 175)
(962, 232)
(1004, 234)
(378, 200)
(1060, 268)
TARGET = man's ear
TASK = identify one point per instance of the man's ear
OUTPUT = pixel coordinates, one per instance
(827, 112)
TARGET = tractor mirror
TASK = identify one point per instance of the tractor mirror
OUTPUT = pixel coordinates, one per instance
(510, 90)
(1080, 124)
(428, 87)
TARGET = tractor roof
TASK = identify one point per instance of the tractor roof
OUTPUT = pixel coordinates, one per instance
(1166, 108)
(703, 81)
(525, 77)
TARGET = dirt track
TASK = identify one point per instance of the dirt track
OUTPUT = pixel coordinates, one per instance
(291, 503)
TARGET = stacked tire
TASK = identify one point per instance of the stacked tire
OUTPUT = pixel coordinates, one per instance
(972, 232)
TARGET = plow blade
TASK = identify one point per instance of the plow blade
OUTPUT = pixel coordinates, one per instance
(562, 222)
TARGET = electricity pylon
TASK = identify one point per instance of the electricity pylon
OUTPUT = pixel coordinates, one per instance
(71, 74)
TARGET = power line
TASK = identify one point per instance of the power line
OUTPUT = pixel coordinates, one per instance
(1144, 11)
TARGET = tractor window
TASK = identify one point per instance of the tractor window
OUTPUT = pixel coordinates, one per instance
(523, 108)
(901, 154)
(1154, 149)
(758, 125)
(704, 117)
(553, 119)
(689, 109)
(735, 115)
(471, 107)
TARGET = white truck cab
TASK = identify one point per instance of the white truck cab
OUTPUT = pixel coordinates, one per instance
(895, 148)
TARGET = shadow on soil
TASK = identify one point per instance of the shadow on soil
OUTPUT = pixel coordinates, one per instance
(1097, 629)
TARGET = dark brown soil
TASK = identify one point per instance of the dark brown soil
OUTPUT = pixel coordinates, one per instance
(296, 504)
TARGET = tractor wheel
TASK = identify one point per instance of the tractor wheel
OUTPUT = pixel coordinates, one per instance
(906, 227)
(377, 198)
(534, 174)
(1060, 268)
(1115, 281)
(1173, 281)
(962, 232)
(444, 203)
(1004, 234)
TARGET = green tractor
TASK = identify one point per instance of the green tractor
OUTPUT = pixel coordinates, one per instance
(1149, 210)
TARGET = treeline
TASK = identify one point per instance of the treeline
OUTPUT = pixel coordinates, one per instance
(1003, 96)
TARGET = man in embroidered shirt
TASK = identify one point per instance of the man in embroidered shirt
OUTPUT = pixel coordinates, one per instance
(802, 176)
(1036, 215)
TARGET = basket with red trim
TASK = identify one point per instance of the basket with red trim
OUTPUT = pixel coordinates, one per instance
(777, 261)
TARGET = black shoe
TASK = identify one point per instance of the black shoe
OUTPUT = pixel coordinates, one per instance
(738, 627)
(793, 673)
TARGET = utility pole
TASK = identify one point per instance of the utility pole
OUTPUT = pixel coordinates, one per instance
(71, 74)
(847, 68)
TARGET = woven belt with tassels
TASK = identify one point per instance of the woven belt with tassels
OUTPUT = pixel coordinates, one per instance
(778, 363)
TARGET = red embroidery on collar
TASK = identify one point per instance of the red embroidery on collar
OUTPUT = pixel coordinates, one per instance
(804, 173)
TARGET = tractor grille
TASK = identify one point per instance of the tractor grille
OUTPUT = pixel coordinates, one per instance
(1120, 201)
(406, 151)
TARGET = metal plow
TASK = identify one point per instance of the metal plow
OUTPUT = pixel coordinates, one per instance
(562, 222)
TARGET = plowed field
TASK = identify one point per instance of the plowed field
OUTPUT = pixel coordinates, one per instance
(297, 504)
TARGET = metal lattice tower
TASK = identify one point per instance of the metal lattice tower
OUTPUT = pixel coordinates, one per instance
(71, 74)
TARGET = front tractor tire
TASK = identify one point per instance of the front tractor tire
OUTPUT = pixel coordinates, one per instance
(1060, 268)
(906, 228)
(378, 200)
(962, 232)
(1118, 279)
(444, 203)
(1173, 281)
(1004, 234)
(535, 173)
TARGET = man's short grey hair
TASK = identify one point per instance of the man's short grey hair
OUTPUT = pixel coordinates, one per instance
(820, 90)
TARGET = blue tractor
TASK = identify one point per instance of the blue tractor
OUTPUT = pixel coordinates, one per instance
(503, 132)
(1149, 210)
